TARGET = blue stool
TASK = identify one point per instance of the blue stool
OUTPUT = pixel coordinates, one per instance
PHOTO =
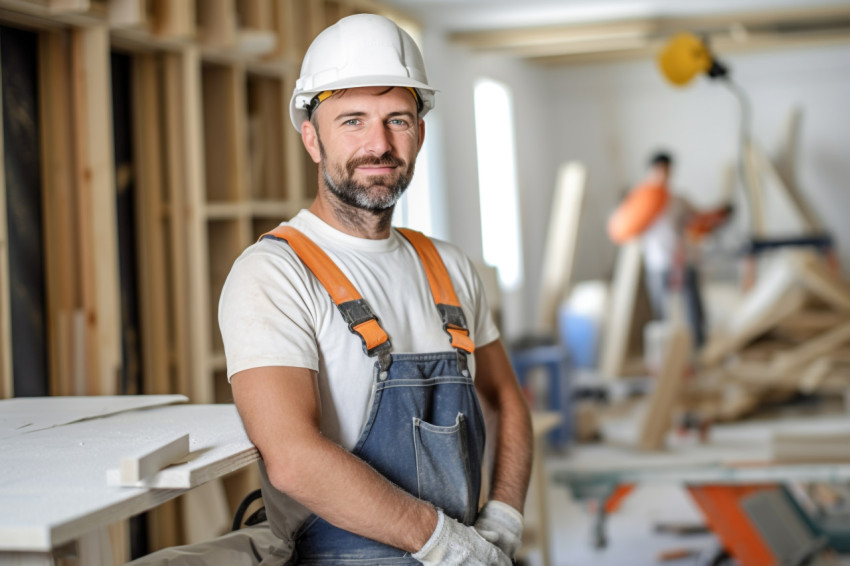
(555, 360)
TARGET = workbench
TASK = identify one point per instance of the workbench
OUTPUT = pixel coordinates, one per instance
(735, 462)
(57, 453)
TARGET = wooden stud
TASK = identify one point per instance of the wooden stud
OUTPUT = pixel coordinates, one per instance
(195, 235)
(217, 21)
(175, 167)
(6, 377)
(97, 223)
(63, 293)
(151, 226)
(174, 18)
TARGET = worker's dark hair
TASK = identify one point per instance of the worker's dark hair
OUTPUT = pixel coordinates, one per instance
(661, 158)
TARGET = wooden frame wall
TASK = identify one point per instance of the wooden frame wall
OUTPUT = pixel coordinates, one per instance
(211, 82)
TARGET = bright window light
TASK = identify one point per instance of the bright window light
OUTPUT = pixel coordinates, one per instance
(497, 180)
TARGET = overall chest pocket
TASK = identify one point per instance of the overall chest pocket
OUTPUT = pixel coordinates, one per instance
(443, 468)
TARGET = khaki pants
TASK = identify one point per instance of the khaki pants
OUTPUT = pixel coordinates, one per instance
(250, 546)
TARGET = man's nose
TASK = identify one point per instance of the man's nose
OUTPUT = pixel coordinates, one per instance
(378, 139)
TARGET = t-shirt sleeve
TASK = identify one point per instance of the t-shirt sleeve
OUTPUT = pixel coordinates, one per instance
(268, 311)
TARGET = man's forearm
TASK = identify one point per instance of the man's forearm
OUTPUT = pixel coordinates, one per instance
(348, 493)
(513, 454)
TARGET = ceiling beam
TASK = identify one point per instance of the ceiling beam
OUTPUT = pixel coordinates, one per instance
(565, 44)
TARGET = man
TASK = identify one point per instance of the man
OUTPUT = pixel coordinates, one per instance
(365, 407)
(669, 227)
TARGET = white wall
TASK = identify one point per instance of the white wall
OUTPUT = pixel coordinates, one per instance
(612, 117)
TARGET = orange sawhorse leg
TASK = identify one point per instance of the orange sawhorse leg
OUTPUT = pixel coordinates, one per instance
(720, 504)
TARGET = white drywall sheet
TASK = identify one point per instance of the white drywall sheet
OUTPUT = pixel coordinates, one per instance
(53, 485)
(28, 414)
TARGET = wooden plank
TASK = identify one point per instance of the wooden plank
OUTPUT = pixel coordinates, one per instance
(823, 282)
(755, 190)
(97, 222)
(150, 226)
(140, 466)
(812, 349)
(775, 296)
(6, 378)
(560, 245)
(63, 293)
(668, 385)
(618, 323)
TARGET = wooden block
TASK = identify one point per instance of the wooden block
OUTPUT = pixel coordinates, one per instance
(138, 466)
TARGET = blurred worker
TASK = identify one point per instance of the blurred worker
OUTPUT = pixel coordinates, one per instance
(669, 228)
(357, 352)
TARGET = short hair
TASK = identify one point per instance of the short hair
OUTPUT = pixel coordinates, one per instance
(661, 158)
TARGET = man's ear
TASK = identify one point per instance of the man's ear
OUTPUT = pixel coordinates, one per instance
(310, 138)
(421, 134)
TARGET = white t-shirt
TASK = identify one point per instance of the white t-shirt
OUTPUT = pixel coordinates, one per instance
(273, 312)
(665, 236)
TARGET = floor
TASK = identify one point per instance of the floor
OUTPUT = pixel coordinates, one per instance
(630, 531)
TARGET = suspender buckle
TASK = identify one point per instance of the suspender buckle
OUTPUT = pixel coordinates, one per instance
(362, 321)
(454, 323)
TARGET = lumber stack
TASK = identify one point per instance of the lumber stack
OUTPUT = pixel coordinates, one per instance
(790, 335)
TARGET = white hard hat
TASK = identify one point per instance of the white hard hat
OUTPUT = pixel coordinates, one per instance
(359, 50)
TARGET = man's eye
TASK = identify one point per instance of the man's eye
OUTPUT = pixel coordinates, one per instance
(351, 122)
(398, 123)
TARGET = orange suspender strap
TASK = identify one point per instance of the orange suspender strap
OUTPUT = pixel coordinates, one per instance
(352, 306)
(454, 321)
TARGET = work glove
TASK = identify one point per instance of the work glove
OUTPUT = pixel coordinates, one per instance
(500, 524)
(455, 544)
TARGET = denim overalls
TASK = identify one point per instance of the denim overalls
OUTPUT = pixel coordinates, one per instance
(424, 431)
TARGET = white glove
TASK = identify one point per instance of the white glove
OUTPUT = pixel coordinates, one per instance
(455, 544)
(500, 524)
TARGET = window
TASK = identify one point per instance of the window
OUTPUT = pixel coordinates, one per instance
(497, 181)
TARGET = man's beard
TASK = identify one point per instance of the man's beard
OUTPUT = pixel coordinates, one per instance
(381, 192)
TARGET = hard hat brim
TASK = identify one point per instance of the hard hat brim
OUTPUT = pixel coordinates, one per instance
(300, 100)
